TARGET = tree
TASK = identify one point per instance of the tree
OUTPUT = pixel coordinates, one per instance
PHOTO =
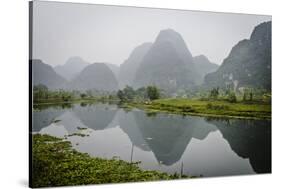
(214, 93)
(40, 91)
(129, 93)
(232, 97)
(251, 96)
(66, 98)
(83, 95)
(41, 87)
(248, 95)
(152, 92)
(120, 95)
(245, 96)
(141, 94)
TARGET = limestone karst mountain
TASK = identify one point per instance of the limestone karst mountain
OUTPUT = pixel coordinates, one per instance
(71, 68)
(130, 66)
(168, 64)
(204, 66)
(248, 64)
(114, 68)
(96, 76)
(44, 74)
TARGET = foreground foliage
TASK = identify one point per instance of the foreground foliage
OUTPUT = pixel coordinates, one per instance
(55, 163)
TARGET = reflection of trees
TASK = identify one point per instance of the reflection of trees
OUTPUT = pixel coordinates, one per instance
(167, 136)
(97, 117)
(53, 106)
(249, 139)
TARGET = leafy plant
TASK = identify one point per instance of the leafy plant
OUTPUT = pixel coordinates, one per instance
(55, 163)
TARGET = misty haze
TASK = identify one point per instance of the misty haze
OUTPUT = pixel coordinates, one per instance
(124, 94)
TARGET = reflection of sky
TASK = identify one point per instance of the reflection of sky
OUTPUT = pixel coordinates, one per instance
(207, 153)
(55, 130)
(214, 153)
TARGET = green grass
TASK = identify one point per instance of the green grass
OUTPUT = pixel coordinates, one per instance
(220, 108)
(56, 163)
(77, 134)
(209, 108)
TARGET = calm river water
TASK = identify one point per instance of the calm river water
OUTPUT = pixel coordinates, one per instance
(168, 143)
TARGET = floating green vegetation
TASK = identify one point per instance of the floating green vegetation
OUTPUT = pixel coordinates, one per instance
(55, 163)
(82, 128)
(77, 134)
(151, 113)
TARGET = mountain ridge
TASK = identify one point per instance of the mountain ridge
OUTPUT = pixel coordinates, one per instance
(248, 64)
(44, 74)
(168, 64)
(130, 66)
(71, 67)
(96, 76)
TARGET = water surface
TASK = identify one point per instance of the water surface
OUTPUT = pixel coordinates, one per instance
(169, 143)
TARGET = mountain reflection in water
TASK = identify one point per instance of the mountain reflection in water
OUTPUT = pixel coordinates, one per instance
(169, 143)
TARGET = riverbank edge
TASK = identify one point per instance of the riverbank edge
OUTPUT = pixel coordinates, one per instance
(56, 163)
(59, 101)
(153, 107)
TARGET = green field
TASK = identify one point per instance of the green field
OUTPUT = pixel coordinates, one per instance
(209, 108)
(217, 108)
(56, 163)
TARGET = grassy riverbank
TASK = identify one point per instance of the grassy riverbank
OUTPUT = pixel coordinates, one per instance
(253, 110)
(55, 163)
(183, 106)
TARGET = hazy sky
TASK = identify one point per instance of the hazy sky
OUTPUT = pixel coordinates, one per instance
(100, 33)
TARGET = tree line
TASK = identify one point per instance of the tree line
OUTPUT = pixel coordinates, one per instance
(41, 93)
(128, 94)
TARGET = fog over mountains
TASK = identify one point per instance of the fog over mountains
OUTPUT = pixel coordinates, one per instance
(71, 68)
(130, 66)
(204, 66)
(168, 64)
(43, 73)
(97, 76)
(114, 68)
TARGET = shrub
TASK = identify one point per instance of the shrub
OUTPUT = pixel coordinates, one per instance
(214, 93)
(211, 106)
(232, 97)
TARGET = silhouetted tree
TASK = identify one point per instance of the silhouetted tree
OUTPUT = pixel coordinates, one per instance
(120, 95)
(83, 95)
(129, 93)
(152, 92)
(232, 97)
(214, 93)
